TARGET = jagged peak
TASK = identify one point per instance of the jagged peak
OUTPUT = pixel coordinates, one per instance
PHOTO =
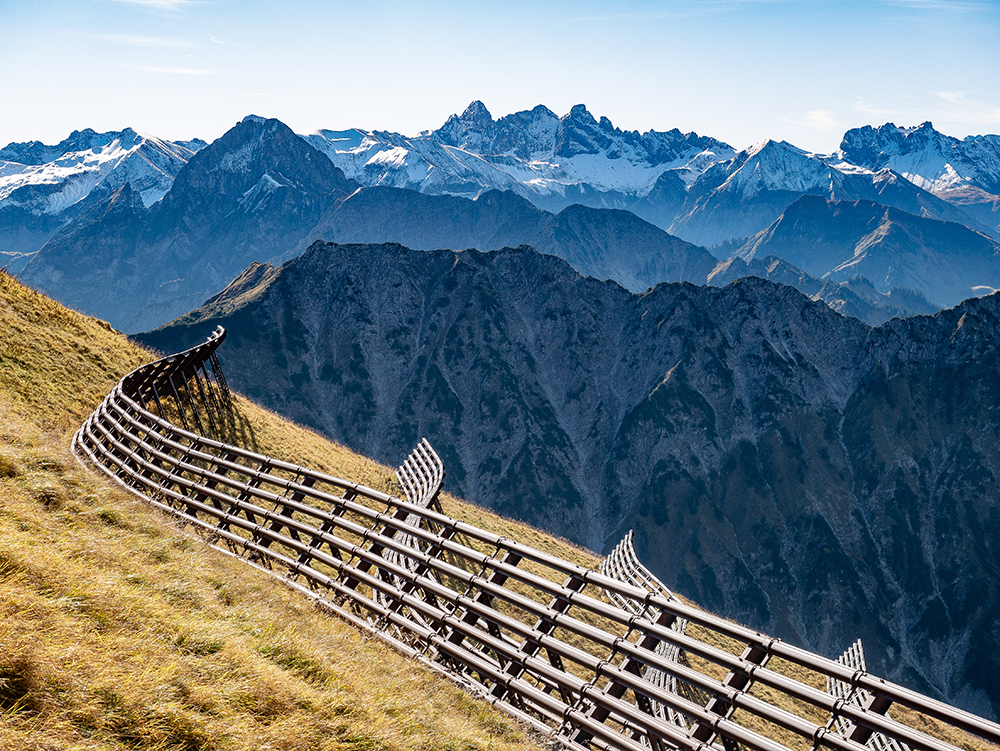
(771, 146)
(477, 113)
(924, 127)
(541, 109)
(580, 112)
(755, 149)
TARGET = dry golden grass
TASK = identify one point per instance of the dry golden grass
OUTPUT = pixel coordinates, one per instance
(120, 631)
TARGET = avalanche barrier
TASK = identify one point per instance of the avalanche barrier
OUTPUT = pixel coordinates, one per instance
(606, 660)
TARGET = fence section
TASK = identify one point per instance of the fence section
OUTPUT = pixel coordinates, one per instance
(569, 650)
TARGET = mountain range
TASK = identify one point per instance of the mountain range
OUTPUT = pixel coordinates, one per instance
(695, 187)
(43, 187)
(137, 251)
(790, 467)
(260, 193)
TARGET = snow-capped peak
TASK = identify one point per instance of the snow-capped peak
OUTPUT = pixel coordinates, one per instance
(53, 178)
(776, 166)
(533, 153)
(925, 157)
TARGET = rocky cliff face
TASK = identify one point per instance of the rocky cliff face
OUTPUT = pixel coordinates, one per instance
(785, 465)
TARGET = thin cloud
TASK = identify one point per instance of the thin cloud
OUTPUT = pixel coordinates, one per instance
(821, 120)
(816, 120)
(951, 6)
(174, 71)
(862, 106)
(954, 97)
(165, 5)
(137, 41)
(211, 37)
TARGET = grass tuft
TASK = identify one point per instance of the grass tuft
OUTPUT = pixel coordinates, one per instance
(19, 685)
(110, 517)
(50, 495)
(7, 468)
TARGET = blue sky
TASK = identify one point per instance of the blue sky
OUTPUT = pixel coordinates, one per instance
(738, 70)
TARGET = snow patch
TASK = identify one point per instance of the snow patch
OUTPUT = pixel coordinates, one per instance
(254, 199)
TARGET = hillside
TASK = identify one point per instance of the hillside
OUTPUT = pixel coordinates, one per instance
(119, 629)
(837, 240)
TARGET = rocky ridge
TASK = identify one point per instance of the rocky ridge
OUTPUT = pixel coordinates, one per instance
(839, 240)
(792, 468)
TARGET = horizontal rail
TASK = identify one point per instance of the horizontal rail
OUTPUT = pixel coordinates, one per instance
(591, 660)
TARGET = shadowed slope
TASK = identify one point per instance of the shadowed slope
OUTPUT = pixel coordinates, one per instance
(753, 438)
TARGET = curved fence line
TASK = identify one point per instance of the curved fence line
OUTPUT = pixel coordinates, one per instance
(557, 645)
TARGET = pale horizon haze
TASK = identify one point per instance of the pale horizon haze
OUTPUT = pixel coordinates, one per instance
(737, 70)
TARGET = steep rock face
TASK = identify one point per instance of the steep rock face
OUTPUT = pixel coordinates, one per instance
(788, 466)
(926, 157)
(527, 135)
(946, 262)
(249, 196)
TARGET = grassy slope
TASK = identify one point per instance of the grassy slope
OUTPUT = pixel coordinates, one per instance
(118, 630)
